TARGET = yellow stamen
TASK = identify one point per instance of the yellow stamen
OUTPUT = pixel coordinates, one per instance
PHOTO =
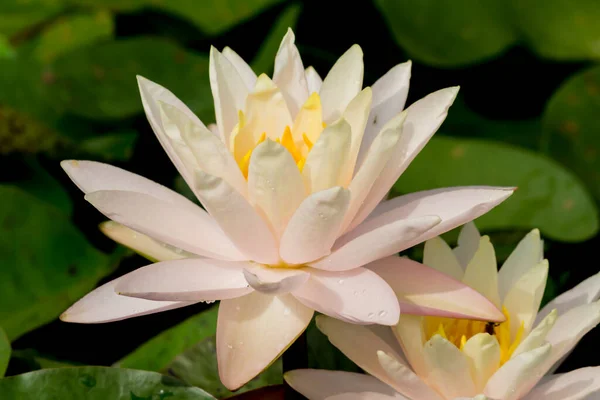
(245, 162)
(307, 141)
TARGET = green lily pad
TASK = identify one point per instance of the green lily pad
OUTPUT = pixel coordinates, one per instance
(571, 127)
(264, 61)
(72, 32)
(116, 146)
(4, 352)
(18, 15)
(549, 197)
(100, 81)
(449, 33)
(46, 262)
(97, 383)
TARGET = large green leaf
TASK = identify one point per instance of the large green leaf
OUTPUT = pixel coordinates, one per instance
(18, 15)
(571, 126)
(548, 196)
(4, 352)
(264, 61)
(323, 355)
(46, 262)
(157, 353)
(449, 32)
(100, 81)
(72, 32)
(116, 146)
(97, 383)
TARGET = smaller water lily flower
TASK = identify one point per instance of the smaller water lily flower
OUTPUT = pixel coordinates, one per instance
(436, 358)
(291, 178)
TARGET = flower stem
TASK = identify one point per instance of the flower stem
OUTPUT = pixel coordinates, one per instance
(295, 357)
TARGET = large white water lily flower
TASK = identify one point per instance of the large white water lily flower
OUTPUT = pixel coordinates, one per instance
(444, 358)
(287, 176)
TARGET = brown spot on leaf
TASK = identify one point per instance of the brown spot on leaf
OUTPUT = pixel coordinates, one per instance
(568, 204)
(457, 152)
(570, 128)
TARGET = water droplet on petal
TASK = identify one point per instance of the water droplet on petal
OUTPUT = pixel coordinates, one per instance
(341, 281)
(371, 315)
(230, 346)
(382, 313)
(286, 311)
(356, 292)
(237, 308)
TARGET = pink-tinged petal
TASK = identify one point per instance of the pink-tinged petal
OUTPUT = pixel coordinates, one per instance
(192, 279)
(151, 93)
(468, 243)
(360, 344)
(210, 154)
(525, 256)
(406, 381)
(584, 293)
(411, 336)
(242, 67)
(580, 384)
(317, 384)
(229, 92)
(315, 226)
(570, 327)
(448, 368)
(422, 290)
(105, 305)
(237, 218)
(357, 296)
(454, 206)
(363, 246)
(214, 129)
(142, 244)
(342, 83)
(313, 80)
(518, 375)
(274, 280)
(289, 73)
(389, 96)
(423, 120)
(188, 229)
(92, 176)
(274, 183)
(253, 330)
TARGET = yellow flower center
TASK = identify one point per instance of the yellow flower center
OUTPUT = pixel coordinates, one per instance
(297, 137)
(459, 331)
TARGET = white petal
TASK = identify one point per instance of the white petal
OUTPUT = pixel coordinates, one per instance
(525, 256)
(362, 246)
(584, 293)
(407, 382)
(423, 290)
(188, 229)
(389, 96)
(105, 305)
(468, 243)
(142, 244)
(517, 375)
(327, 162)
(315, 226)
(454, 206)
(338, 385)
(313, 80)
(92, 176)
(210, 153)
(289, 73)
(237, 218)
(448, 368)
(437, 254)
(229, 92)
(151, 93)
(581, 384)
(379, 154)
(357, 114)
(537, 337)
(192, 279)
(483, 353)
(482, 271)
(423, 120)
(242, 67)
(360, 345)
(342, 83)
(274, 280)
(275, 184)
(524, 298)
(253, 330)
(357, 296)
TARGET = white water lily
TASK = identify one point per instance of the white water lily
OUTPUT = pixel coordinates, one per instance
(291, 177)
(433, 358)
